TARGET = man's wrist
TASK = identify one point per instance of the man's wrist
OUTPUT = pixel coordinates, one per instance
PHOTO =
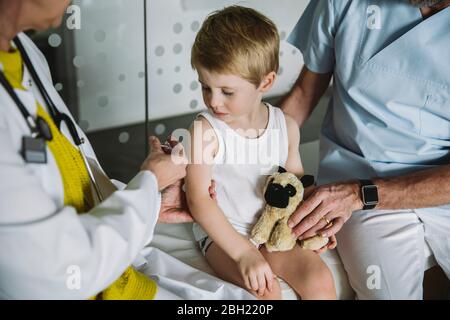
(357, 203)
(294, 105)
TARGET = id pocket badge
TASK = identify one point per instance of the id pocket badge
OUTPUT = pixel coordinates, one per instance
(34, 150)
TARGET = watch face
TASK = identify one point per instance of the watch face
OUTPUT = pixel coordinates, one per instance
(370, 195)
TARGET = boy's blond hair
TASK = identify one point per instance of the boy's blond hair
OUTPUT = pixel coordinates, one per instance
(240, 41)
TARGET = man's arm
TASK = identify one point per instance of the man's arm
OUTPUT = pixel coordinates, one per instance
(305, 94)
(293, 162)
(337, 201)
(421, 189)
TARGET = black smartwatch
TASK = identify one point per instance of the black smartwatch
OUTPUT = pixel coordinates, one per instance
(369, 194)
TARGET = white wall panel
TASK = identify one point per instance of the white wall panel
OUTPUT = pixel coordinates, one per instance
(110, 49)
(110, 61)
(173, 85)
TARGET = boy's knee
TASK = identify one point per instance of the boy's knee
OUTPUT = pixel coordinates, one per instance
(320, 283)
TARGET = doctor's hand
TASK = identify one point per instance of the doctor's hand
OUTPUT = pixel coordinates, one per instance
(168, 168)
(174, 208)
(333, 203)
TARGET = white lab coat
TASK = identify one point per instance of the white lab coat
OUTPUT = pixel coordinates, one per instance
(46, 247)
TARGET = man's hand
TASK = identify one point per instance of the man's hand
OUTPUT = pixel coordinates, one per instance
(329, 203)
(329, 246)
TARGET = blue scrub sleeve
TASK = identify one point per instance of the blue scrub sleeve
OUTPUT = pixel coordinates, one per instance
(314, 34)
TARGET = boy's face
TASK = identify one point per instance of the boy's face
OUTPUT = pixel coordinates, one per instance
(228, 96)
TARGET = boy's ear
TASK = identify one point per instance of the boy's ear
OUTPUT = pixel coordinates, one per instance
(268, 82)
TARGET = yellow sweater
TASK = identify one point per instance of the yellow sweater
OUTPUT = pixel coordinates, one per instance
(132, 285)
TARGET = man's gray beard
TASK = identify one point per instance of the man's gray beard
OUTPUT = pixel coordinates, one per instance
(424, 3)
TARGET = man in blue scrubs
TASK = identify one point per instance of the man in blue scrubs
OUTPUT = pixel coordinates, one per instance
(384, 175)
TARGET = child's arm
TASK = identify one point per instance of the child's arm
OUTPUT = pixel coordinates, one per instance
(252, 265)
(293, 162)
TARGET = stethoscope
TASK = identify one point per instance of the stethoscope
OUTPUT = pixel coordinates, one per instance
(40, 130)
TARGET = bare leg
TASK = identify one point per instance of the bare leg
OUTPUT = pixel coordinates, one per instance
(304, 271)
(226, 269)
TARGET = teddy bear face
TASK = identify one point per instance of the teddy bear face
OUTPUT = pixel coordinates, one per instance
(282, 190)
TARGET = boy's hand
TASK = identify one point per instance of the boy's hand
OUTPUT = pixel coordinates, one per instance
(256, 271)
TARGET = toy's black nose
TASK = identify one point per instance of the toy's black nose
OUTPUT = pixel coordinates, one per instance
(276, 196)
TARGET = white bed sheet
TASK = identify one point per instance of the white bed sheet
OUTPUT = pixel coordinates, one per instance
(175, 262)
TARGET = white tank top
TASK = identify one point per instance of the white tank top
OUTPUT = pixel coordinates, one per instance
(241, 167)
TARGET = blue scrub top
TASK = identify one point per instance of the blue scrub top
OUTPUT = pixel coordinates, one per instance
(390, 109)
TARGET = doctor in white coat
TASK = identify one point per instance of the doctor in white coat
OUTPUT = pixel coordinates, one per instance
(44, 242)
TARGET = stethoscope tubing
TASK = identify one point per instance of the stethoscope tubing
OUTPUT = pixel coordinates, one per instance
(57, 116)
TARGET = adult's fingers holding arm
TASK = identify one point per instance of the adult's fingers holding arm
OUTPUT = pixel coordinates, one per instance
(174, 208)
(174, 216)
